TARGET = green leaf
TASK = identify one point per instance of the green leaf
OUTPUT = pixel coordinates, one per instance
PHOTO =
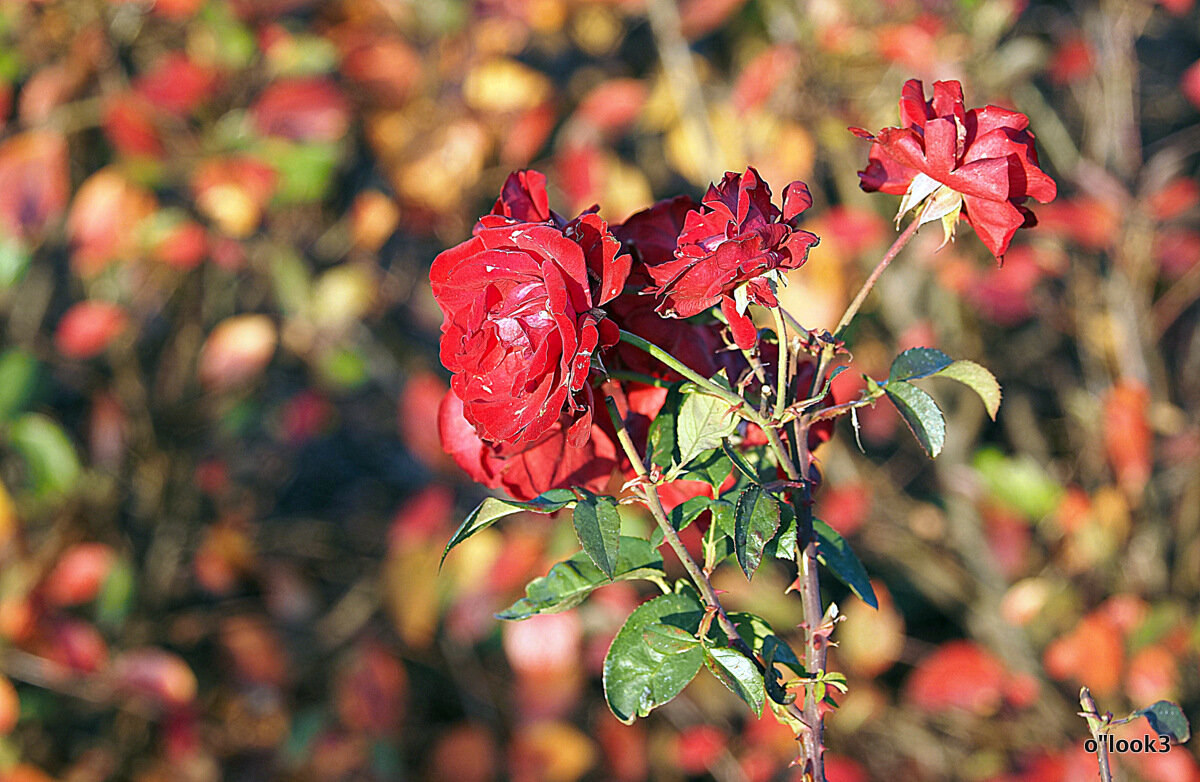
(18, 377)
(668, 639)
(14, 261)
(921, 414)
(48, 452)
(598, 526)
(688, 511)
(737, 672)
(492, 509)
(572, 580)
(661, 439)
(740, 462)
(757, 632)
(756, 518)
(712, 467)
(783, 545)
(1168, 720)
(834, 553)
(116, 595)
(916, 363)
(637, 679)
(703, 422)
(979, 380)
(1021, 482)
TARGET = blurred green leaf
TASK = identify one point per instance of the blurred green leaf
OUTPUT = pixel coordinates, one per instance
(1019, 482)
(305, 170)
(115, 600)
(48, 452)
(18, 378)
(637, 679)
(598, 527)
(14, 261)
(572, 580)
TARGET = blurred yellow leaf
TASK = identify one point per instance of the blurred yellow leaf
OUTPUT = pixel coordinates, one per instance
(502, 85)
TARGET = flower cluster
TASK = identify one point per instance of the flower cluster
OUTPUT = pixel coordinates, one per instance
(531, 298)
(534, 304)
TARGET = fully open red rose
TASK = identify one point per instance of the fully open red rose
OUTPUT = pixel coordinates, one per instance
(519, 323)
(527, 470)
(727, 246)
(981, 162)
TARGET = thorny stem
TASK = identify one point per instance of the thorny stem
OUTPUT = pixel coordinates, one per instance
(650, 494)
(1096, 725)
(888, 257)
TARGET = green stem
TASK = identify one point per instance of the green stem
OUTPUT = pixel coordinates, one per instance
(637, 377)
(649, 493)
(781, 379)
(888, 257)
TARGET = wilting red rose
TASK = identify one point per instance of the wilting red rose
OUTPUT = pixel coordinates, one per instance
(980, 163)
(529, 469)
(727, 246)
(520, 324)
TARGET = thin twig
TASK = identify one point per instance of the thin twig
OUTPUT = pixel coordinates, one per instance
(1096, 725)
(888, 257)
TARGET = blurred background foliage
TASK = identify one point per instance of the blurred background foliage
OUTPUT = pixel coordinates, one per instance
(223, 496)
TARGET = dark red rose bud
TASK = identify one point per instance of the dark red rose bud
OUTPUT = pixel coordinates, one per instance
(979, 163)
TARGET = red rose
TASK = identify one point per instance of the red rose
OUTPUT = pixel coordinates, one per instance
(652, 235)
(519, 320)
(727, 246)
(981, 163)
(527, 470)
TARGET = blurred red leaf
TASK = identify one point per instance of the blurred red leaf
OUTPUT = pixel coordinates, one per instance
(1072, 60)
(1093, 654)
(233, 191)
(72, 643)
(843, 769)
(697, 747)
(106, 214)
(1190, 83)
(176, 85)
(308, 109)
(1153, 676)
(1177, 251)
(698, 18)
(418, 405)
(1128, 440)
(10, 706)
(1175, 198)
(79, 574)
(464, 753)
(183, 246)
(236, 351)
(371, 690)
(34, 184)
(255, 651)
(88, 327)
(957, 675)
(129, 126)
(385, 66)
(613, 105)
(761, 76)
(156, 674)
(844, 506)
